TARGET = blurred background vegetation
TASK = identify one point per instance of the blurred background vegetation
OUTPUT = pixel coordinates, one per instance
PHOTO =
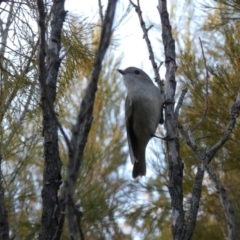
(113, 205)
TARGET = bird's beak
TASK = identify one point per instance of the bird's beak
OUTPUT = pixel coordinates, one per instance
(121, 71)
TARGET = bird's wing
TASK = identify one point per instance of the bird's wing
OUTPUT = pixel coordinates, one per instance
(132, 140)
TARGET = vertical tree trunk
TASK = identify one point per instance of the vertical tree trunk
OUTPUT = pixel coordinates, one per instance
(48, 80)
(174, 160)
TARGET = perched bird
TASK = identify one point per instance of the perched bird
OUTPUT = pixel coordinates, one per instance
(143, 113)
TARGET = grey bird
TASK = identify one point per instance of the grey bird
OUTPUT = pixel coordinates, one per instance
(143, 113)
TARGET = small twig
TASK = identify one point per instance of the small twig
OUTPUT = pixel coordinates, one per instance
(161, 63)
(180, 102)
(147, 29)
(134, 4)
(189, 141)
(162, 138)
(149, 46)
(206, 92)
(64, 54)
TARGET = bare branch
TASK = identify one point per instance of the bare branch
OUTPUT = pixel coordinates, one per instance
(226, 203)
(206, 91)
(180, 102)
(204, 159)
(149, 46)
(195, 200)
(48, 82)
(190, 142)
(147, 29)
(64, 54)
(82, 127)
(174, 160)
(197, 187)
(100, 7)
(234, 115)
(42, 69)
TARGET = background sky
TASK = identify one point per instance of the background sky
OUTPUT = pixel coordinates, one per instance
(131, 43)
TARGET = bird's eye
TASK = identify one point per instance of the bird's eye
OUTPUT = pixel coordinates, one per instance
(136, 72)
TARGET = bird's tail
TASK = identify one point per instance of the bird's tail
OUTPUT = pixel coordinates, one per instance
(139, 167)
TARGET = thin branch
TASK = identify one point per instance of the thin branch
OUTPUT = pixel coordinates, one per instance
(180, 102)
(100, 7)
(197, 186)
(226, 203)
(64, 54)
(190, 141)
(235, 111)
(205, 159)
(149, 46)
(82, 127)
(195, 200)
(189, 226)
(206, 91)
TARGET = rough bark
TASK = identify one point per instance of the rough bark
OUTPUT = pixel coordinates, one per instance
(174, 160)
(49, 63)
